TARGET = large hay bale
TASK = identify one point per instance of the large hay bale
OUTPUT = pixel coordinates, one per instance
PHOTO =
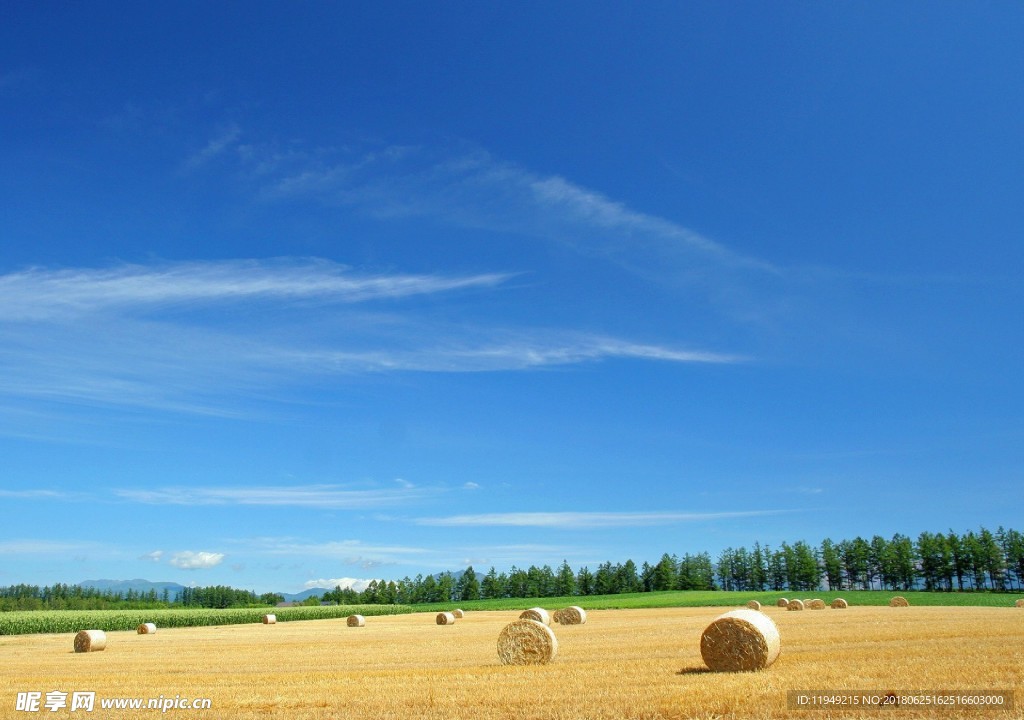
(445, 618)
(782, 602)
(1019, 603)
(754, 605)
(269, 619)
(840, 604)
(816, 604)
(899, 601)
(458, 613)
(536, 613)
(146, 629)
(356, 621)
(572, 615)
(90, 641)
(740, 641)
(795, 605)
(527, 642)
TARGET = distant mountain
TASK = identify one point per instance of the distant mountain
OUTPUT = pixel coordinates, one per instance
(299, 597)
(138, 585)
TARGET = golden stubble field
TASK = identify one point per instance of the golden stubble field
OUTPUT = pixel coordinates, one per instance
(620, 664)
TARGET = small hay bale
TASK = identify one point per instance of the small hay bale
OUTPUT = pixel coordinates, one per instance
(1019, 603)
(527, 642)
(445, 618)
(90, 641)
(356, 621)
(816, 604)
(537, 613)
(740, 641)
(754, 605)
(840, 604)
(781, 602)
(269, 619)
(795, 605)
(572, 615)
(146, 629)
(458, 613)
(899, 601)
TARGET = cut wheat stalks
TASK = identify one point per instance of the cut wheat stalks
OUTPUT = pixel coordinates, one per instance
(269, 619)
(572, 615)
(816, 604)
(356, 621)
(445, 618)
(782, 602)
(740, 641)
(1019, 603)
(146, 629)
(458, 613)
(754, 605)
(537, 613)
(795, 605)
(899, 601)
(90, 641)
(527, 642)
(840, 604)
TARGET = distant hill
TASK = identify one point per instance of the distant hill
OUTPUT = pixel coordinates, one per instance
(138, 585)
(299, 597)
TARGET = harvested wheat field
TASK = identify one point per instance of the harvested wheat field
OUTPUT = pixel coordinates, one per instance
(620, 664)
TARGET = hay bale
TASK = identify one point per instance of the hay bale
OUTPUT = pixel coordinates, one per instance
(527, 642)
(740, 641)
(816, 604)
(839, 604)
(356, 621)
(795, 605)
(782, 602)
(269, 619)
(537, 613)
(754, 605)
(899, 601)
(572, 615)
(146, 629)
(90, 641)
(1019, 603)
(458, 613)
(445, 618)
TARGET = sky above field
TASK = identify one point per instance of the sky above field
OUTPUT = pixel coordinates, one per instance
(300, 294)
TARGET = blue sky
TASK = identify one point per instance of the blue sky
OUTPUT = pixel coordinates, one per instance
(293, 294)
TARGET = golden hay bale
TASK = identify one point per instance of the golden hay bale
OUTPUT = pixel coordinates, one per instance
(445, 618)
(782, 602)
(899, 601)
(527, 642)
(269, 619)
(146, 629)
(754, 605)
(795, 605)
(1019, 603)
(816, 604)
(572, 615)
(458, 613)
(537, 613)
(356, 621)
(840, 604)
(740, 640)
(90, 641)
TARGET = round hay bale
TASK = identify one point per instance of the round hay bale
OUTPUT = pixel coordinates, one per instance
(527, 642)
(840, 604)
(90, 641)
(781, 602)
(572, 615)
(146, 629)
(445, 618)
(754, 605)
(740, 641)
(899, 601)
(1019, 603)
(816, 604)
(269, 619)
(537, 613)
(458, 613)
(356, 621)
(795, 605)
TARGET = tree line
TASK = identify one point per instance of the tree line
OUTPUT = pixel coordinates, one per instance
(76, 597)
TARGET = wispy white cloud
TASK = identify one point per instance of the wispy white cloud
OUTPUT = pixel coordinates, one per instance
(189, 560)
(311, 496)
(357, 584)
(41, 495)
(44, 547)
(585, 520)
(154, 556)
(218, 145)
